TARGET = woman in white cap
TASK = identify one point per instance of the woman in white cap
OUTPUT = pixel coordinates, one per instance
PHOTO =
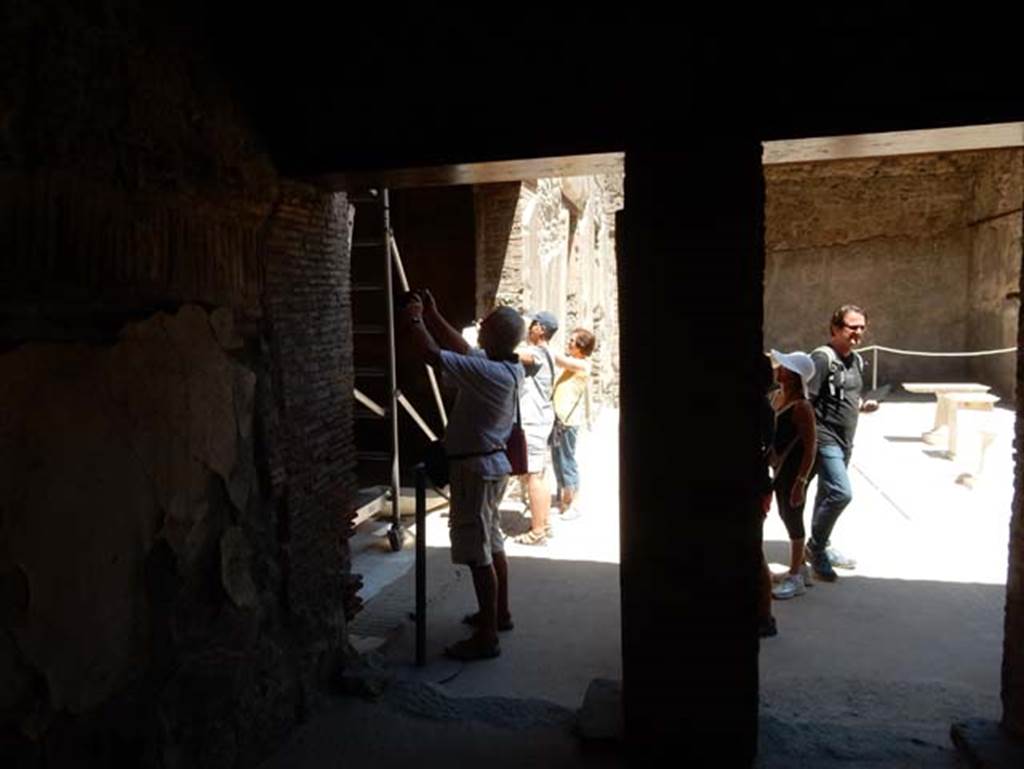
(792, 457)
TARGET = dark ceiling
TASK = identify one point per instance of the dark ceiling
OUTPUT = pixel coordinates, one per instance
(395, 87)
(363, 86)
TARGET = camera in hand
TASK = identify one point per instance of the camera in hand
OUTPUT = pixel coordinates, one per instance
(407, 297)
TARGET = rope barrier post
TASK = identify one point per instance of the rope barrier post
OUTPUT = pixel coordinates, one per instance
(874, 369)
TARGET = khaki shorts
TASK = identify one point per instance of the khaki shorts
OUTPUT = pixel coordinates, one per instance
(473, 517)
(537, 447)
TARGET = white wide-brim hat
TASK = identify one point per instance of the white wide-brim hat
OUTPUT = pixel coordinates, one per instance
(797, 362)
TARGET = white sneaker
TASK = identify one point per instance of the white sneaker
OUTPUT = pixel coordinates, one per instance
(805, 572)
(790, 587)
(838, 560)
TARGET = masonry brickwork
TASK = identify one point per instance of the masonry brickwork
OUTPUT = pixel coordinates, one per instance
(175, 348)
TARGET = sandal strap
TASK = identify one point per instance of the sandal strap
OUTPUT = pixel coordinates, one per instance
(531, 538)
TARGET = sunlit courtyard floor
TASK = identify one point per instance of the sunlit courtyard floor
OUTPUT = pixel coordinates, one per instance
(870, 670)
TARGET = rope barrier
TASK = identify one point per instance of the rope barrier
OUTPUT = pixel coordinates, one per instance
(923, 354)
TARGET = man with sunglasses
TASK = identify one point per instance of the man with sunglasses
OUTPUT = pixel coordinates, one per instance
(839, 383)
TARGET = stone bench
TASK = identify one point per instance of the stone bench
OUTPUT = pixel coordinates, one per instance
(945, 410)
(951, 402)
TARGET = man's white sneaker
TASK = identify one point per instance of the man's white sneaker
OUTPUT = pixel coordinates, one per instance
(790, 587)
(838, 560)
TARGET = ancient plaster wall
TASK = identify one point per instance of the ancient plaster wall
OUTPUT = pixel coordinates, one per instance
(994, 269)
(905, 239)
(175, 425)
(130, 492)
(550, 244)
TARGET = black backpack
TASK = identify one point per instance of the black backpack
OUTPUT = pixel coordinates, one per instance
(836, 372)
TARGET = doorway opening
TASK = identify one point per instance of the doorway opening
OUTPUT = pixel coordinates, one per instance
(921, 229)
(532, 235)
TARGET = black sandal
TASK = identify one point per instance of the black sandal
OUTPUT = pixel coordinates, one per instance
(472, 649)
(473, 620)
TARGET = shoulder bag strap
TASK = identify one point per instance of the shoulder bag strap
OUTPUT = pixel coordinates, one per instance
(551, 365)
(577, 403)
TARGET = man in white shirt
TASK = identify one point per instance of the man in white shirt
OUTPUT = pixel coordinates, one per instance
(488, 378)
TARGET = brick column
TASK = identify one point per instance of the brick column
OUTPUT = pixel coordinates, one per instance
(691, 261)
(308, 315)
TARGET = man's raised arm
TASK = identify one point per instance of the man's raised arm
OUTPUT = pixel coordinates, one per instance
(415, 331)
(446, 336)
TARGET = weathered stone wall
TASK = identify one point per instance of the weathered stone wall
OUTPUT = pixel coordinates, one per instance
(888, 235)
(175, 419)
(550, 244)
(993, 278)
(499, 249)
(1012, 689)
(900, 237)
(308, 324)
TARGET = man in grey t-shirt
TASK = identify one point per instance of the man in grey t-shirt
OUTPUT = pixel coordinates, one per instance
(838, 402)
(538, 416)
(480, 423)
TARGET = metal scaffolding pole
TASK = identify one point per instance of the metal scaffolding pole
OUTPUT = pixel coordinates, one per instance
(396, 520)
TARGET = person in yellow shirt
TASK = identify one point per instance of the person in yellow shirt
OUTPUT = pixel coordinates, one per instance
(572, 409)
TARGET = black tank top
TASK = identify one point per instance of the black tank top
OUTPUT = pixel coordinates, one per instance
(786, 434)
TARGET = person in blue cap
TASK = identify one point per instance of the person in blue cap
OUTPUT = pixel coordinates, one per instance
(538, 418)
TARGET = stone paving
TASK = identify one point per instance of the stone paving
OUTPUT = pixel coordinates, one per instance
(869, 671)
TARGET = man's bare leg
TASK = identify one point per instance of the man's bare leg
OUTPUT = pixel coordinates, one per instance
(540, 503)
(504, 616)
(501, 573)
(485, 585)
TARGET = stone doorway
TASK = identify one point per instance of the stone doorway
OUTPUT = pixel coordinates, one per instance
(922, 229)
(487, 236)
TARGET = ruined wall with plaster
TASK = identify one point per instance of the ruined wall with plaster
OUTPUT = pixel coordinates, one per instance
(176, 437)
(550, 244)
(994, 270)
(895, 236)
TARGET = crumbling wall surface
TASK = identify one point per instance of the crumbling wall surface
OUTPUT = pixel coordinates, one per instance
(549, 244)
(132, 521)
(175, 420)
(1012, 689)
(886, 234)
(499, 248)
(1012, 674)
(994, 270)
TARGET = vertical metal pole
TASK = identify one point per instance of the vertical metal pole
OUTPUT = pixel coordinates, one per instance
(874, 369)
(421, 566)
(396, 519)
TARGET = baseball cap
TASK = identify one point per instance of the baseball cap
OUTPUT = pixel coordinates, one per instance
(547, 321)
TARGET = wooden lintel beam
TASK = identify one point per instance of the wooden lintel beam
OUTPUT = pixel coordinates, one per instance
(934, 140)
